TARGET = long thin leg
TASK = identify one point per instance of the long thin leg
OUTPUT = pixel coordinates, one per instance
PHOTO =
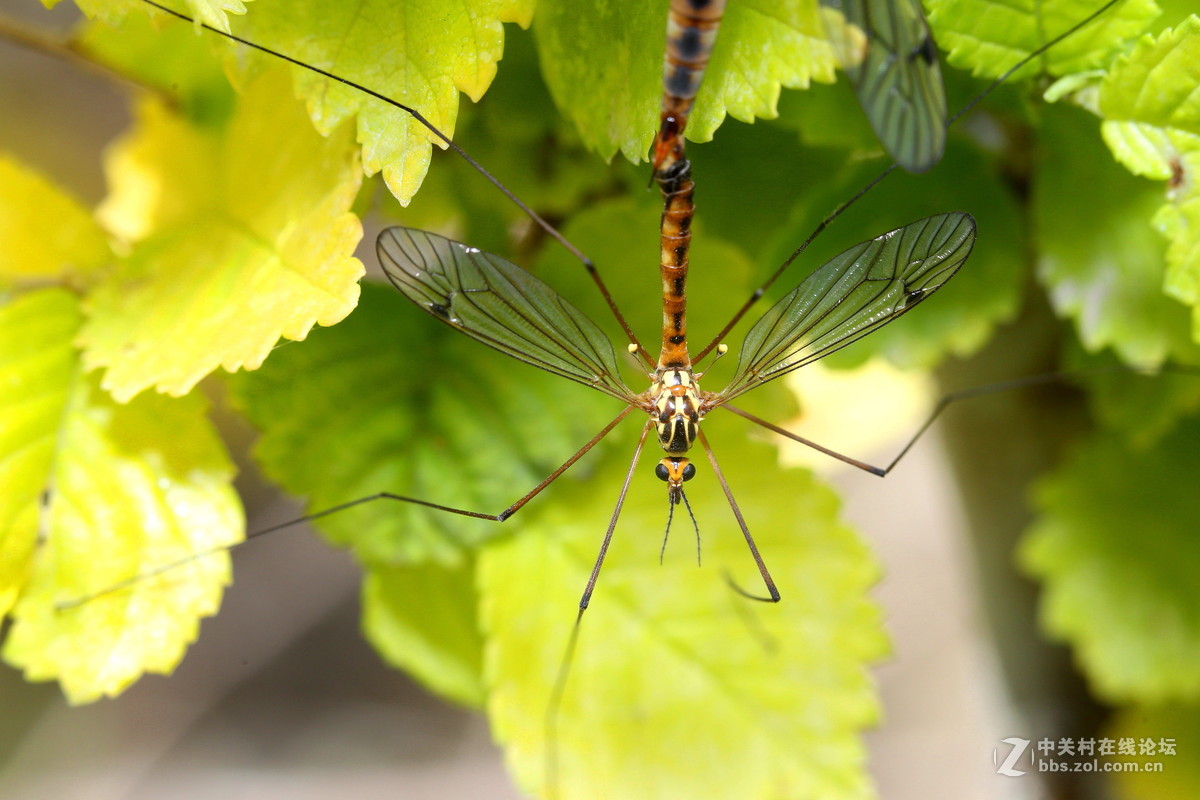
(564, 668)
(554, 706)
(945, 402)
(1069, 32)
(737, 513)
(795, 437)
(501, 517)
(741, 312)
(941, 406)
(612, 523)
(416, 115)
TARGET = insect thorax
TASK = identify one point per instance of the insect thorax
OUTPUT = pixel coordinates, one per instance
(676, 409)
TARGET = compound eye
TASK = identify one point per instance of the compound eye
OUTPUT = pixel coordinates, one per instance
(662, 472)
(689, 472)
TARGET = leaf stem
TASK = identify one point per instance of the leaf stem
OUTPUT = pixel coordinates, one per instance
(76, 54)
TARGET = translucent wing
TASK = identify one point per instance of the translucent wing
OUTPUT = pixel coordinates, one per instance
(885, 48)
(501, 305)
(860, 290)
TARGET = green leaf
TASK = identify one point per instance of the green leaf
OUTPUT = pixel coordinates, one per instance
(240, 240)
(988, 38)
(827, 116)
(44, 232)
(1179, 221)
(1116, 549)
(418, 52)
(1140, 408)
(628, 74)
(679, 686)
(392, 401)
(1156, 83)
(615, 51)
(423, 620)
(765, 45)
(1152, 152)
(1102, 255)
(532, 150)
(1153, 127)
(128, 490)
(1179, 775)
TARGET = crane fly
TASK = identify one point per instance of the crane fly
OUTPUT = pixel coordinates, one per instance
(497, 303)
(503, 306)
(507, 308)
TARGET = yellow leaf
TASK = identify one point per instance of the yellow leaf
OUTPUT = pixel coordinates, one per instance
(679, 686)
(148, 193)
(36, 366)
(211, 12)
(128, 489)
(241, 239)
(44, 232)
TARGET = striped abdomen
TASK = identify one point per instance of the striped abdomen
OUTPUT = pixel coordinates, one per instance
(676, 238)
(691, 32)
